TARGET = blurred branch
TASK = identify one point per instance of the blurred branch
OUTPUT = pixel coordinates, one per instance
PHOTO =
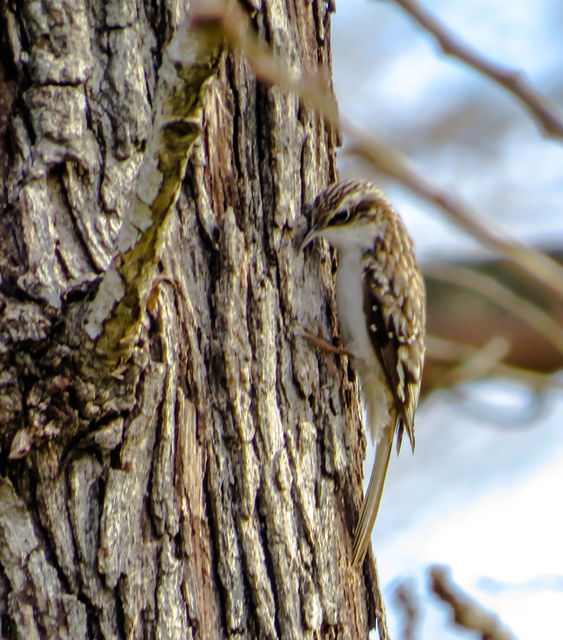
(470, 362)
(405, 596)
(503, 297)
(513, 81)
(467, 613)
(236, 27)
(478, 363)
(392, 162)
(470, 303)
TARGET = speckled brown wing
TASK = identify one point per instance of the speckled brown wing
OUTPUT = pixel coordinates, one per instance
(394, 306)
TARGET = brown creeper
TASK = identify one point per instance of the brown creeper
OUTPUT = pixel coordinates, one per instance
(381, 302)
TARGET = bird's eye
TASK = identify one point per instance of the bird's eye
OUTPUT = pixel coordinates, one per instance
(367, 204)
(340, 216)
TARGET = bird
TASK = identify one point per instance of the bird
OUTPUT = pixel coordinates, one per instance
(381, 306)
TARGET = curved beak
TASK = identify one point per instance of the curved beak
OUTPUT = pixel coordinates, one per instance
(309, 237)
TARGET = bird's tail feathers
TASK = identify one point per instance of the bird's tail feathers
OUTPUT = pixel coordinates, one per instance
(370, 505)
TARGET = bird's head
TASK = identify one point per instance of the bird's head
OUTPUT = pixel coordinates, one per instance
(349, 214)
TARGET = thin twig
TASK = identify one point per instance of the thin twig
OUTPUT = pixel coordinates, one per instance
(235, 25)
(478, 364)
(467, 613)
(452, 352)
(503, 297)
(391, 161)
(545, 114)
(407, 600)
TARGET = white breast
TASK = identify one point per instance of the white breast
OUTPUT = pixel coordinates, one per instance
(349, 298)
(377, 397)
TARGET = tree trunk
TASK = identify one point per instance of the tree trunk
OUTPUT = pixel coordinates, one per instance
(207, 485)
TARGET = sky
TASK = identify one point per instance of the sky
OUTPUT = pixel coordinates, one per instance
(482, 494)
(476, 138)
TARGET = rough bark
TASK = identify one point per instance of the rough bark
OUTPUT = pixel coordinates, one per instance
(207, 487)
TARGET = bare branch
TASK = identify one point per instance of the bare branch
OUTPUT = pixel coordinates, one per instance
(545, 114)
(457, 353)
(312, 89)
(405, 596)
(480, 363)
(467, 613)
(502, 297)
(391, 161)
